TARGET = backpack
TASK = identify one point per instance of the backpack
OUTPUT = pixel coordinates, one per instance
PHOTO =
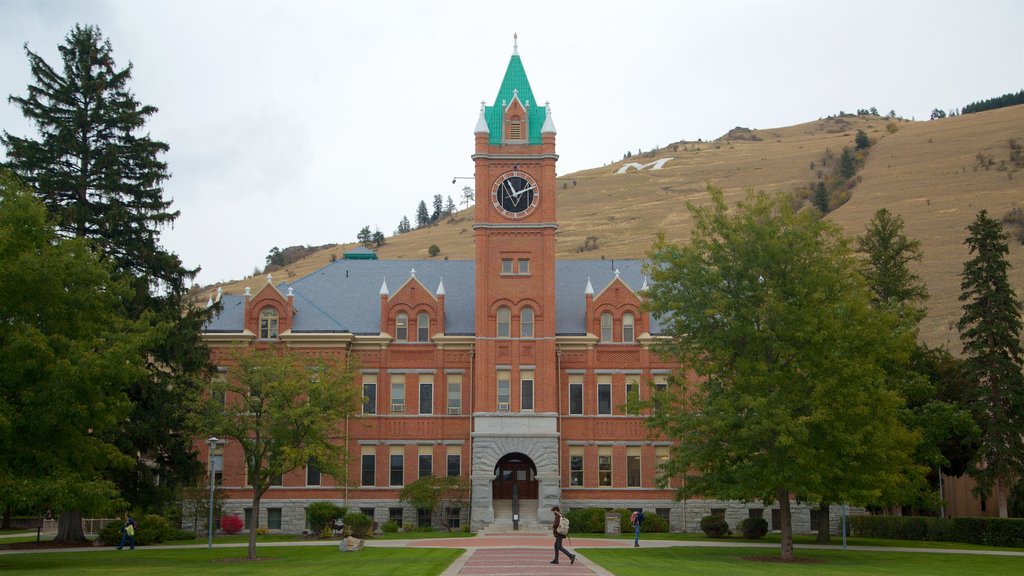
(563, 526)
(632, 518)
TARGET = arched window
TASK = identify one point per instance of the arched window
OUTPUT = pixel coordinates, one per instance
(526, 323)
(268, 323)
(402, 328)
(504, 319)
(628, 330)
(422, 327)
(606, 327)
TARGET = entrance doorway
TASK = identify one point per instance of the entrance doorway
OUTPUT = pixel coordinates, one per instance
(515, 469)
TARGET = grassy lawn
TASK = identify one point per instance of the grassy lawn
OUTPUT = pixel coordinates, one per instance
(288, 561)
(734, 562)
(738, 540)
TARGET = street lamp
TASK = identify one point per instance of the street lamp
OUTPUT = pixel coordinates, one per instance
(212, 441)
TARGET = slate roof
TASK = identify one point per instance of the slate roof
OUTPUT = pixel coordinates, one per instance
(344, 296)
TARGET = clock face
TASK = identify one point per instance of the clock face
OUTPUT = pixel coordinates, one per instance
(515, 194)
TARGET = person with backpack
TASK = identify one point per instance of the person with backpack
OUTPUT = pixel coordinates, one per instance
(128, 532)
(560, 527)
(637, 520)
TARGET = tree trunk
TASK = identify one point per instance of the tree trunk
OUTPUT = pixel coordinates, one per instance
(254, 522)
(1001, 501)
(7, 519)
(824, 533)
(69, 528)
(786, 519)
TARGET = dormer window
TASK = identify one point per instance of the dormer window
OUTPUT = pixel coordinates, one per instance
(402, 328)
(606, 327)
(268, 323)
(422, 327)
(628, 328)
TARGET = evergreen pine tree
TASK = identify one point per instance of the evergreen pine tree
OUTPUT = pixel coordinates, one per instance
(438, 208)
(403, 225)
(990, 329)
(821, 197)
(422, 216)
(365, 237)
(378, 238)
(101, 178)
(847, 165)
(449, 207)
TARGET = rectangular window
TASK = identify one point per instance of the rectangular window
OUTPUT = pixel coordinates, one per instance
(575, 395)
(632, 393)
(455, 393)
(776, 519)
(426, 461)
(506, 265)
(504, 391)
(604, 467)
(454, 517)
(277, 480)
(526, 389)
(454, 464)
(426, 395)
(524, 266)
(423, 327)
(397, 477)
(815, 518)
(576, 467)
(368, 512)
(274, 518)
(660, 387)
(368, 475)
(395, 515)
(312, 473)
(398, 393)
(423, 518)
(755, 513)
(633, 467)
(369, 395)
(604, 394)
(666, 515)
(248, 518)
(720, 512)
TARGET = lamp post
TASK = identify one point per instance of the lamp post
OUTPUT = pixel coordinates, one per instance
(212, 441)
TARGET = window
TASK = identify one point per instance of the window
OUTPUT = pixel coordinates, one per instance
(604, 395)
(312, 473)
(776, 519)
(628, 332)
(755, 513)
(454, 462)
(575, 395)
(515, 129)
(248, 518)
(368, 512)
(398, 393)
(526, 323)
(369, 394)
(506, 265)
(455, 393)
(423, 327)
(268, 323)
(426, 461)
(277, 480)
(633, 466)
(665, 514)
(274, 518)
(397, 466)
(395, 515)
(815, 518)
(402, 328)
(423, 517)
(604, 467)
(632, 392)
(660, 387)
(426, 395)
(526, 389)
(576, 467)
(504, 319)
(454, 517)
(504, 391)
(720, 512)
(606, 327)
(524, 266)
(368, 474)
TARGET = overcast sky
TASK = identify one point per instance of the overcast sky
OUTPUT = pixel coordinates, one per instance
(301, 121)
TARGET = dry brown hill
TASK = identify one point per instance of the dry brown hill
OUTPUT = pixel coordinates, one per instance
(936, 174)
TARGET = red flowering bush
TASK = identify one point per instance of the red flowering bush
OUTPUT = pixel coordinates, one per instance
(231, 524)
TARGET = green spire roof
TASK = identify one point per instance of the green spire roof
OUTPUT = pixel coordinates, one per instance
(515, 84)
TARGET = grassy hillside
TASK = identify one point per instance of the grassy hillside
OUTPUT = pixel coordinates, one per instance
(936, 174)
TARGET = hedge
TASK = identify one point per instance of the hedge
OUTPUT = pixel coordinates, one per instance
(1007, 532)
(586, 520)
(151, 529)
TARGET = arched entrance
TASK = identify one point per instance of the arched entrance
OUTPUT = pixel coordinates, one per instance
(515, 470)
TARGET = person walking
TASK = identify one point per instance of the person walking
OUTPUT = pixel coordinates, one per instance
(128, 533)
(637, 520)
(561, 530)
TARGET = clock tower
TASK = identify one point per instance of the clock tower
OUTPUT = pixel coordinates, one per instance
(515, 407)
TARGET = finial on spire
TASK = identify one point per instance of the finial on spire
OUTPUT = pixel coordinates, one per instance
(270, 278)
(515, 44)
(412, 273)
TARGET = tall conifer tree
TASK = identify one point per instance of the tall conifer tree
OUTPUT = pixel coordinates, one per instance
(101, 178)
(990, 329)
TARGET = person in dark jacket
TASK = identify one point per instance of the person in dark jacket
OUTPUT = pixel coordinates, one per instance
(559, 537)
(128, 532)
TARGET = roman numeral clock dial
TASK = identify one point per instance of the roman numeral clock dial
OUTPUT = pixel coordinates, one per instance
(515, 194)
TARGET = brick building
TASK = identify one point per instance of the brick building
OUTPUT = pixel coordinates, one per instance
(511, 370)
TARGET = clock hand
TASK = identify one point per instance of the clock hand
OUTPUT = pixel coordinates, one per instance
(528, 188)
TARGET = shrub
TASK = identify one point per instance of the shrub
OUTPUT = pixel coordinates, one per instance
(150, 529)
(111, 533)
(433, 250)
(985, 531)
(231, 524)
(624, 526)
(390, 527)
(754, 528)
(654, 523)
(322, 515)
(714, 526)
(359, 524)
(586, 520)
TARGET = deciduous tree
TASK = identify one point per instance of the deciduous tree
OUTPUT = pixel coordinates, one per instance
(990, 329)
(443, 496)
(767, 309)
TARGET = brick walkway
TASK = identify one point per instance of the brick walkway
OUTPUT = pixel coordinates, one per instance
(517, 562)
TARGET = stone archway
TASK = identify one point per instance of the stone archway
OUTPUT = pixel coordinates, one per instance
(541, 449)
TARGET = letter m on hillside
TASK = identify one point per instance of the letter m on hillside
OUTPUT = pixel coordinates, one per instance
(656, 165)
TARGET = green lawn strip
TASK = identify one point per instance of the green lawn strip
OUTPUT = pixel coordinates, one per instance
(737, 561)
(807, 541)
(276, 561)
